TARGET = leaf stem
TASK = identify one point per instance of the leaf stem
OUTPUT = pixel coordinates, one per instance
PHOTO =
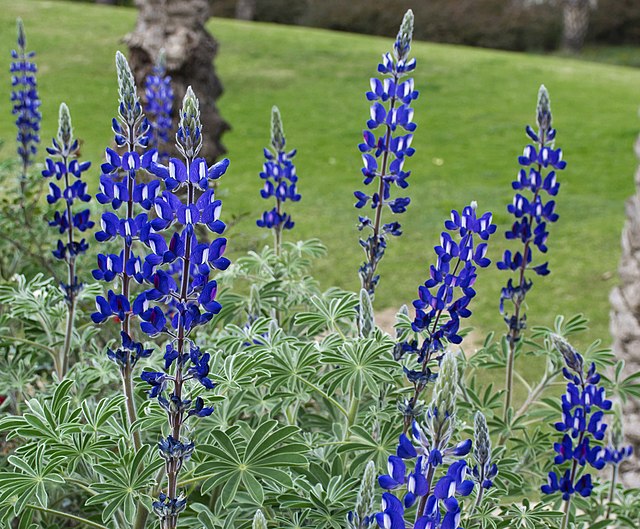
(83, 521)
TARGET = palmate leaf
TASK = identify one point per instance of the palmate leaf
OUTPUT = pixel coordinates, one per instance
(371, 445)
(326, 504)
(51, 420)
(291, 368)
(359, 365)
(333, 308)
(125, 479)
(29, 482)
(236, 460)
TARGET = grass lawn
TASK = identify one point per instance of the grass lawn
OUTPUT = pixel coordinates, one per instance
(473, 107)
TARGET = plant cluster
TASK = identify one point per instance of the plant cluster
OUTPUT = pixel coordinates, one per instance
(200, 393)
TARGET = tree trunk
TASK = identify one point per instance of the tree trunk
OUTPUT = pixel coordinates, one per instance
(575, 24)
(245, 9)
(625, 321)
(178, 26)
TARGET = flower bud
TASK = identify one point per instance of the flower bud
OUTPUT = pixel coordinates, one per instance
(482, 444)
(277, 130)
(130, 109)
(543, 112)
(571, 357)
(189, 135)
(259, 521)
(402, 46)
(65, 130)
(442, 411)
(22, 37)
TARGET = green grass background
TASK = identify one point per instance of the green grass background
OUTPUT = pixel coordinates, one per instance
(471, 113)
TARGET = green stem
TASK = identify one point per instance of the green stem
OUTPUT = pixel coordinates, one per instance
(612, 490)
(567, 511)
(353, 411)
(26, 341)
(82, 521)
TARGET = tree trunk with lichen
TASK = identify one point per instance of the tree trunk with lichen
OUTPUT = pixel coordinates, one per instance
(575, 24)
(178, 27)
(625, 321)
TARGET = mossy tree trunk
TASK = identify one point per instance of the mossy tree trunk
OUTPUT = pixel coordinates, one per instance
(178, 27)
(625, 321)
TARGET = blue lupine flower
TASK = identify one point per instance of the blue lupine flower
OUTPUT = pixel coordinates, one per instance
(280, 181)
(583, 407)
(384, 155)
(25, 100)
(533, 213)
(63, 166)
(445, 297)
(180, 294)
(159, 96)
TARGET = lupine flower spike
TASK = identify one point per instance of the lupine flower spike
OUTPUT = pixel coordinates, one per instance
(443, 301)
(484, 471)
(66, 185)
(130, 198)
(616, 452)
(532, 211)
(26, 105)
(280, 181)
(363, 514)
(431, 447)
(181, 294)
(583, 407)
(385, 152)
(159, 101)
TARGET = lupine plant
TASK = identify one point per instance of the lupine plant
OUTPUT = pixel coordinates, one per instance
(159, 101)
(309, 398)
(182, 294)
(583, 407)
(66, 185)
(280, 182)
(26, 105)
(384, 153)
(121, 185)
(443, 301)
(537, 179)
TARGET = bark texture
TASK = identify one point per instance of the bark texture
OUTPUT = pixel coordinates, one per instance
(245, 9)
(575, 24)
(625, 322)
(178, 26)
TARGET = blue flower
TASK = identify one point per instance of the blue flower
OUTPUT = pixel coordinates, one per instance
(384, 153)
(532, 213)
(279, 181)
(25, 101)
(583, 407)
(449, 289)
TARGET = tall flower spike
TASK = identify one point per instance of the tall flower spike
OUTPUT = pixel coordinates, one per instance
(535, 180)
(159, 101)
(66, 186)
(444, 299)
(181, 295)
(582, 426)
(280, 182)
(26, 102)
(384, 153)
(363, 514)
(121, 185)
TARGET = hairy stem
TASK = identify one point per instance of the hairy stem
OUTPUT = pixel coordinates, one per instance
(612, 490)
(82, 521)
